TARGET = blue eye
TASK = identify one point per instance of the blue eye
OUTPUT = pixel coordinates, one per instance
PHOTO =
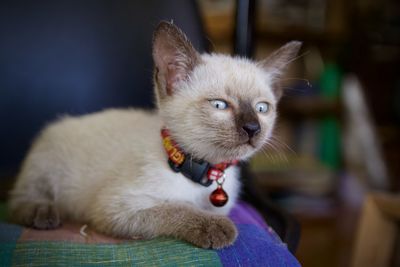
(262, 107)
(219, 104)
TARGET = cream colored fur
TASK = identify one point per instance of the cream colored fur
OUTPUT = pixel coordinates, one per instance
(109, 169)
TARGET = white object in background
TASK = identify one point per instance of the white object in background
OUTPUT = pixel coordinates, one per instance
(362, 147)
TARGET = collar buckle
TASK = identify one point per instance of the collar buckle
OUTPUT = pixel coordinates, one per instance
(194, 170)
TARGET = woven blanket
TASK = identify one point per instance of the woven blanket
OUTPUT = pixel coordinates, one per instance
(72, 245)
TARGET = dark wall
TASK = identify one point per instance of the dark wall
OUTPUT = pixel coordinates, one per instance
(75, 57)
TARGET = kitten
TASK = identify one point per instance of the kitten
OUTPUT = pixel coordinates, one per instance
(113, 171)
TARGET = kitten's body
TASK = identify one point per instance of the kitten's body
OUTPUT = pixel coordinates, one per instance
(126, 157)
(110, 170)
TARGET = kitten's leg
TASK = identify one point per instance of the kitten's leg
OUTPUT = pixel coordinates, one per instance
(185, 222)
(31, 204)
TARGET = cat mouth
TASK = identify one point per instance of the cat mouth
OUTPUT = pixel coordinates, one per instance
(248, 143)
(251, 143)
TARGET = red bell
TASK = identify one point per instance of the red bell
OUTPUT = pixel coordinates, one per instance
(219, 197)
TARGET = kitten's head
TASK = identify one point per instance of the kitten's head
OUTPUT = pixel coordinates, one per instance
(216, 107)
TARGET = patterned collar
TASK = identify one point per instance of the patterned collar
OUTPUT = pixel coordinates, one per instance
(199, 171)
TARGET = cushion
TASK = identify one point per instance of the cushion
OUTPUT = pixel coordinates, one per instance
(73, 245)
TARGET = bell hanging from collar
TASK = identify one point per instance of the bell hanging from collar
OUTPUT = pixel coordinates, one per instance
(219, 197)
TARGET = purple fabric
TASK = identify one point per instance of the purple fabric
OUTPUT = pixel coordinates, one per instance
(257, 244)
(243, 213)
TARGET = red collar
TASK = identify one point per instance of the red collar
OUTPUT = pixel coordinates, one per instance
(198, 171)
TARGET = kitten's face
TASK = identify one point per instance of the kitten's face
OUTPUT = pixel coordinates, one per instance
(225, 111)
(217, 108)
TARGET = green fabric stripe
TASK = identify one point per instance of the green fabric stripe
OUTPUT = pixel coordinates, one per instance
(156, 252)
(6, 254)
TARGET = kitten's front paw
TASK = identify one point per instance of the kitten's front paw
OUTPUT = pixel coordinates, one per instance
(213, 232)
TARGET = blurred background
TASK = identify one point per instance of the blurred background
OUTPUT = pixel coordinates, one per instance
(334, 161)
(337, 139)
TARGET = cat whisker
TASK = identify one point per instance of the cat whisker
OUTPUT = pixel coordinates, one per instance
(267, 154)
(277, 149)
(299, 56)
(283, 144)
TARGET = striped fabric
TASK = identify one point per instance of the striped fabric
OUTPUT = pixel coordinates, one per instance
(257, 245)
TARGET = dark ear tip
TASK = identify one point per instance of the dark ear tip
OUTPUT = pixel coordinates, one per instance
(162, 27)
(166, 26)
(163, 24)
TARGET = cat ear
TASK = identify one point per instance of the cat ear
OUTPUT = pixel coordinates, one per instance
(174, 57)
(277, 63)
